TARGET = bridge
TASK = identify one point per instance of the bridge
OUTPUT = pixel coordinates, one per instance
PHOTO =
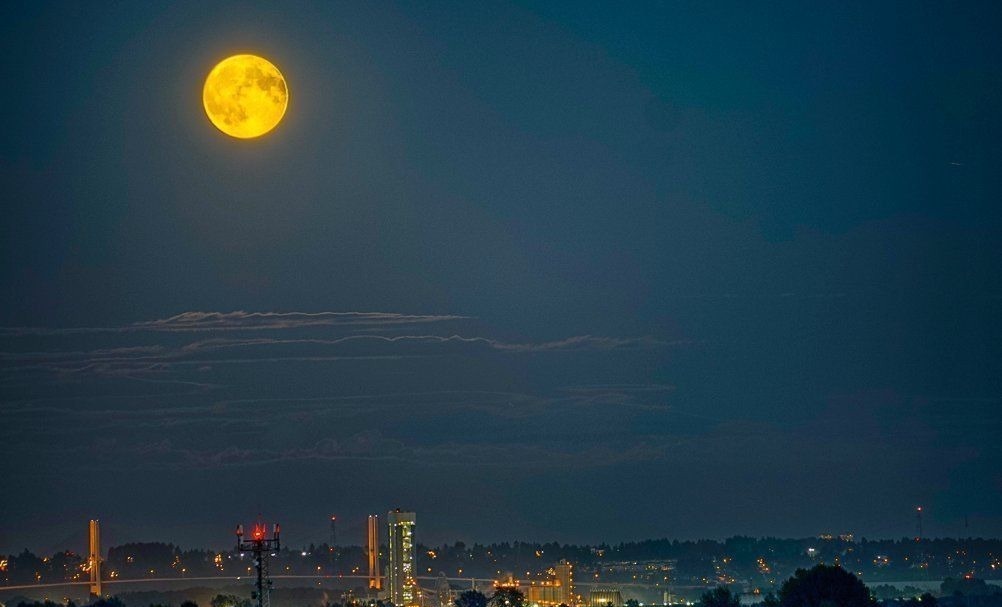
(468, 582)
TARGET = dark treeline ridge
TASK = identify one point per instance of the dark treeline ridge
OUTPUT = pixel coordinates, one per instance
(755, 562)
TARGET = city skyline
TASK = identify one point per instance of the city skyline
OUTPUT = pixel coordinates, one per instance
(376, 561)
(548, 580)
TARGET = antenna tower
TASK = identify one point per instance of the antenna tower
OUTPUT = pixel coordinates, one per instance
(260, 546)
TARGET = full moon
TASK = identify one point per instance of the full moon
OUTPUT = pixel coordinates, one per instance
(245, 96)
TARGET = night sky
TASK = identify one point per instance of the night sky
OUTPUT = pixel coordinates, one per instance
(544, 271)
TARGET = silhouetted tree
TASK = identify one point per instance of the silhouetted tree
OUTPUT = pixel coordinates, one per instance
(631, 603)
(471, 598)
(885, 592)
(966, 587)
(189, 604)
(824, 586)
(721, 596)
(229, 600)
(506, 597)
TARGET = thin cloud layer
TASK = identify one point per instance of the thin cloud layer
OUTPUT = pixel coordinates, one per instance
(201, 390)
(240, 320)
(229, 338)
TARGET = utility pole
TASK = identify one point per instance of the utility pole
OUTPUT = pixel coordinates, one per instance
(261, 547)
(920, 551)
(332, 548)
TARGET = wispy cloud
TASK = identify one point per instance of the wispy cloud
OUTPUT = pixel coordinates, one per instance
(160, 357)
(498, 404)
(588, 342)
(240, 320)
(372, 446)
(202, 370)
(579, 342)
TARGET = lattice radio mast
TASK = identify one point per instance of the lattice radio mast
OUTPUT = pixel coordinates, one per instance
(261, 547)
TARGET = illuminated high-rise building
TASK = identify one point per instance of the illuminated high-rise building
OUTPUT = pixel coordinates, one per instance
(400, 573)
(564, 574)
(545, 593)
(372, 551)
(557, 590)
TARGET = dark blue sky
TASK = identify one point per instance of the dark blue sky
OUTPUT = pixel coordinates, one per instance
(559, 271)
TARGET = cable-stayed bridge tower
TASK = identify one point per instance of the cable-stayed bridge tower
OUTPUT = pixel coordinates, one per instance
(94, 558)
